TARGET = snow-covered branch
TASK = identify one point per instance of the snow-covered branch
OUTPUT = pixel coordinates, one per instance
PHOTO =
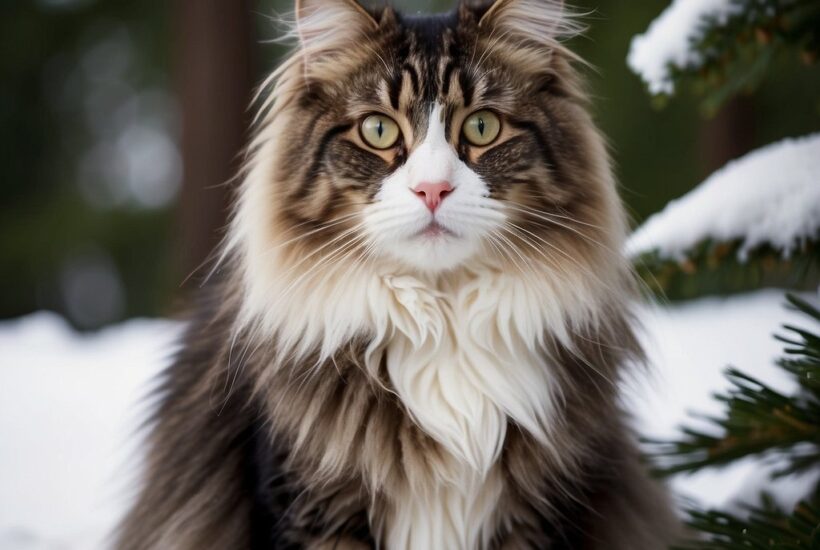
(769, 197)
(669, 41)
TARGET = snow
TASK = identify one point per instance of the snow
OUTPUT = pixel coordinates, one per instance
(668, 40)
(689, 346)
(770, 196)
(69, 408)
(69, 405)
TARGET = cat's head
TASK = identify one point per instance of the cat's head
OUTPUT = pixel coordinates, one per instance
(431, 141)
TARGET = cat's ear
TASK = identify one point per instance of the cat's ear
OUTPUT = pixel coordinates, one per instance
(331, 24)
(331, 34)
(538, 21)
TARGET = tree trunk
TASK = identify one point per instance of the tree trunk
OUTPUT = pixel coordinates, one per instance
(214, 80)
(729, 135)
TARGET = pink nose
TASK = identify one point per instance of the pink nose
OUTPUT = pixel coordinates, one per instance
(433, 193)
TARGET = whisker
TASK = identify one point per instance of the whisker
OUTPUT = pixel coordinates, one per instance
(550, 260)
(323, 227)
(609, 251)
(553, 214)
(543, 216)
(322, 247)
(583, 268)
(514, 248)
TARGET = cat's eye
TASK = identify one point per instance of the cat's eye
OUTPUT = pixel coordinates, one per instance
(481, 128)
(379, 131)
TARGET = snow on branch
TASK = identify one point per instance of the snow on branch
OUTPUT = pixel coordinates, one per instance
(670, 40)
(770, 196)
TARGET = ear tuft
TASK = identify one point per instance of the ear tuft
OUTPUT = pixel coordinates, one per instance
(538, 21)
(324, 25)
(329, 33)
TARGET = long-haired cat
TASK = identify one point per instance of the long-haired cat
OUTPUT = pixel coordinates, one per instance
(415, 333)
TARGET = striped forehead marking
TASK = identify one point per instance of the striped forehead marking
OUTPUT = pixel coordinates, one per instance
(428, 67)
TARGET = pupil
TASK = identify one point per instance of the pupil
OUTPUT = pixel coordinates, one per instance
(380, 129)
(481, 126)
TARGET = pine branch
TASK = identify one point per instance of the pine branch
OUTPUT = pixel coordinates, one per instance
(802, 349)
(716, 268)
(736, 52)
(759, 420)
(766, 526)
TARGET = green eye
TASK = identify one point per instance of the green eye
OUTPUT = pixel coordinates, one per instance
(379, 131)
(481, 128)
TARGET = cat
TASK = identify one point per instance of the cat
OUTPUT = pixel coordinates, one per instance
(414, 335)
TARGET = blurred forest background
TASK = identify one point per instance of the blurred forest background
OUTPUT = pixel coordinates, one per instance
(120, 123)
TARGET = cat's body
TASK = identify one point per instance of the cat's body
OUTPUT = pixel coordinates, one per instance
(370, 369)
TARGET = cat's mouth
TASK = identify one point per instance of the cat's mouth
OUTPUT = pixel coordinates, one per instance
(433, 230)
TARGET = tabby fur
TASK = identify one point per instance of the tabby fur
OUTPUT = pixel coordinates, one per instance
(347, 384)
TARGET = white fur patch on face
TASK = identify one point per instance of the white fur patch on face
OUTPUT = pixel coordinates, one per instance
(401, 226)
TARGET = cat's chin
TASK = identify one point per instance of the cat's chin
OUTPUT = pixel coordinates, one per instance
(434, 250)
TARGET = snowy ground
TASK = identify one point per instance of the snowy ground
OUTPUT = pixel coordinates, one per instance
(690, 345)
(69, 405)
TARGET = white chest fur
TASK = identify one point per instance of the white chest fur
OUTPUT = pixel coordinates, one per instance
(462, 364)
(465, 354)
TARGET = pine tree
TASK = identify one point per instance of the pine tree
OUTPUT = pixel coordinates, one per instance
(732, 50)
(737, 50)
(737, 53)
